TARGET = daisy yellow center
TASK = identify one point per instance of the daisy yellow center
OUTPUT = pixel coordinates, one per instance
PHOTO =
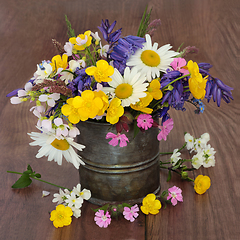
(60, 144)
(123, 90)
(150, 58)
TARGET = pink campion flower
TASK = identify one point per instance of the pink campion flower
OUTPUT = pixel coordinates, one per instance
(144, 121)
(131, 213)
(179, 64)
(165, 129)
(101, 219)
(114, 142)
(176, 194)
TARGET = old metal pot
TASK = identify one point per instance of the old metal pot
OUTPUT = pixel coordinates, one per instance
(118, 174)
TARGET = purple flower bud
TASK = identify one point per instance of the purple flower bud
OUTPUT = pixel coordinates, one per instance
(111, 27)
(219, 96)
(214, 92)
(14, 92)
(223, 86)
(205, 66)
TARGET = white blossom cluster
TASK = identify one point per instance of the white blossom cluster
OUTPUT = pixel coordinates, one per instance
(203, 152)
(73, 199)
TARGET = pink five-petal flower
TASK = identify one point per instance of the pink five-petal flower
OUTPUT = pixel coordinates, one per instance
(176, 194)
(101, 219)
(144, 121)
(114, 142)
(165, 129)
(131, 213)
(179, 64)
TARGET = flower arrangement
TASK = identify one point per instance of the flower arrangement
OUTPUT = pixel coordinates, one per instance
(120, 80)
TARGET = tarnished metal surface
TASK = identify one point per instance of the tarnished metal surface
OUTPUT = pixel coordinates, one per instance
(115, 174)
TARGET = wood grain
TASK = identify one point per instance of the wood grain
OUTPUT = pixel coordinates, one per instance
(27, 28)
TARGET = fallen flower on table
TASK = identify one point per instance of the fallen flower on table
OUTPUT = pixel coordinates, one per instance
(73, 199)
(45, 193)
(202, 184)
(102, 219)
(175, 194)
(131, 213)
(61, 216)
(150, 204)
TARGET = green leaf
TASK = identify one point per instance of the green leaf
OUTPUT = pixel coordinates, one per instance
(38, 175)
(70, 32)
(23, 181)
(144, 23)
(126, 205)
(169, 176)
(28, 172)
(164, 193)
(29, 168)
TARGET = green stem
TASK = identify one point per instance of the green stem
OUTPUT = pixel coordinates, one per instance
(40, 180)
(166, 153)
(90, 55)
(175, 80)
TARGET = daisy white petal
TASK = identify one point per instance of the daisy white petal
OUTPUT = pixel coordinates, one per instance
(55, 148)
(151, 61)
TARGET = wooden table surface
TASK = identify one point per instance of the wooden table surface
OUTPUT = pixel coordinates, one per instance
(27, 28)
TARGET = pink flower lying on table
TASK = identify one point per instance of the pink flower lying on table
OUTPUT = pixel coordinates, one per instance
(114, 142)
(101, 219)
(131, 213)
(165, 129)
(176, 194)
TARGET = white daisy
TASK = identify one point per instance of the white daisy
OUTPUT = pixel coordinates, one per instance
(55, 148)
(129, 88)
(150, 59)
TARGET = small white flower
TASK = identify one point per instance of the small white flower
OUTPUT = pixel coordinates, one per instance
(96, 36)
(76, 212)
(62, 129)
(68, 76)
(43, 72)
(209, 160)
(189, 140)
(84, 194)
(82, 63)
(37, 110)
(73, 200)
(175, 156)
(46, 125)
(205, 136)
(68, 47)
(50, 99)
(73, 132)
(197, 160)
(61, 196)
(103, 50)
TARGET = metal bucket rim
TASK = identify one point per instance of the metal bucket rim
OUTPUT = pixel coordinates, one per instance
(97, 123)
